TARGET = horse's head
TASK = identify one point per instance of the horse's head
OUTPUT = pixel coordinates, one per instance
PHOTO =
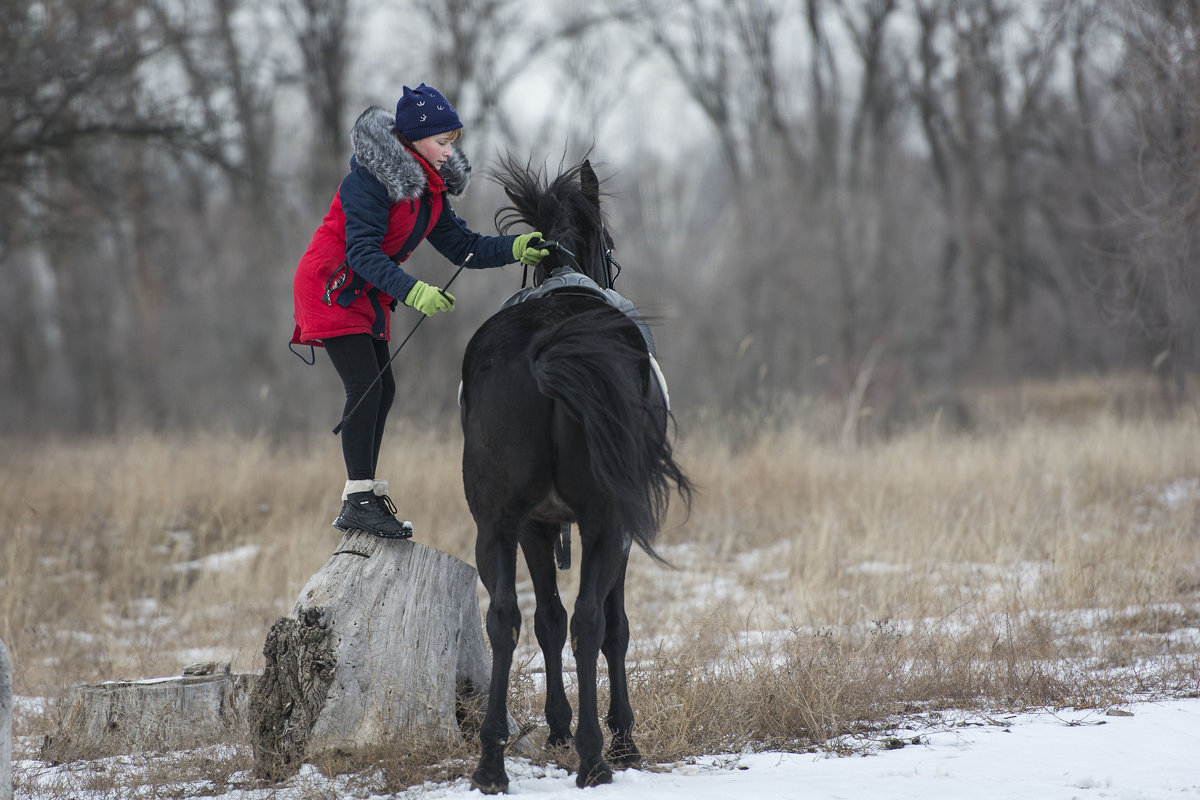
(567, 212)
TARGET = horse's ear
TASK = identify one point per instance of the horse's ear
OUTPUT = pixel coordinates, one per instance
(589, 183)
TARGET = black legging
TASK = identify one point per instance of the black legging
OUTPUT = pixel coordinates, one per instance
(358, 358)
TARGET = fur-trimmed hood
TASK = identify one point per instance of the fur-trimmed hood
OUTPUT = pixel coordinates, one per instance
(381, 153)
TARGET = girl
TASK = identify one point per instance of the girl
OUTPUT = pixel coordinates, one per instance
(349, 280)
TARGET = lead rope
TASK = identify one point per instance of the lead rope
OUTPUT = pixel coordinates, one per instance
(338, 428)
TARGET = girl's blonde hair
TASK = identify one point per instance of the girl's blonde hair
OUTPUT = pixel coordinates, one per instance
(454, 136)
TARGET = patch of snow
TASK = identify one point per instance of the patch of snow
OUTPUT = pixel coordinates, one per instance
(31, 706)
(877, 568)
(219, 561)
(1177, 493)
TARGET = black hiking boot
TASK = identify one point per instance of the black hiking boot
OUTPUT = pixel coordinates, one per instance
(374, 514)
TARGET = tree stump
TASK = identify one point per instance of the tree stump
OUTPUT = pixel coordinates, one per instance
(6, 705)
(384, 644)
(206, 705)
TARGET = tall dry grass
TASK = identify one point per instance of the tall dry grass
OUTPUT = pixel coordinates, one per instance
(1051, 555)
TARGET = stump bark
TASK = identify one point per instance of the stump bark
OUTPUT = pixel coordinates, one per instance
(6, 705)
(384, 644)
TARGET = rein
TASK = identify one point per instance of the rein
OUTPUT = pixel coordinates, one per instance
(553, 245)
(609, 262)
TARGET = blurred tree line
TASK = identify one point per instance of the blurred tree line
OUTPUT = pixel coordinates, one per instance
(876, 202)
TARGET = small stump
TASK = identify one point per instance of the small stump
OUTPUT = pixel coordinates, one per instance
(206, 705)
(385, 642)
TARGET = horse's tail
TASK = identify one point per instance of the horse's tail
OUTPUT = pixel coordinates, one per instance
(590, 364)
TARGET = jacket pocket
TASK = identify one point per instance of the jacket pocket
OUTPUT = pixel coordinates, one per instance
(335, 281)
(354, 288)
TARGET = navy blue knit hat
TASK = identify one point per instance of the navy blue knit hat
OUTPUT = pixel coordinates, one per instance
(424, 112)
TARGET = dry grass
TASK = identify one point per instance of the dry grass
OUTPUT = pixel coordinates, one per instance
(1050, 557)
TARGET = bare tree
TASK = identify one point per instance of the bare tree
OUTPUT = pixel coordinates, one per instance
(321, 30)
(230, 77)
(823, 158)
(71, 97)
(70, 79)
(1159, 202)
(982, 102)
(481, 47)
(720, 51)
(463, 58)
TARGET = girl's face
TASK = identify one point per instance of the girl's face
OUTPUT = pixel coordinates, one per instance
(436, 149)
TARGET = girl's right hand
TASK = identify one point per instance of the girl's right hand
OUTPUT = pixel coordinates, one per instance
(428, 299)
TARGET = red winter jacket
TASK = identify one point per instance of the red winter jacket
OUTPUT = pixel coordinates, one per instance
(349, 279)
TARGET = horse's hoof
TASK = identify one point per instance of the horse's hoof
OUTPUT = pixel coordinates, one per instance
(599, 773)
(623, 754)
(489, 784)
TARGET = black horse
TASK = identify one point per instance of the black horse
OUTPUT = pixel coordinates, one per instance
(564, 422)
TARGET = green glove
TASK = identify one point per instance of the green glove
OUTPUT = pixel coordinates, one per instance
(524, 249)
(429, 300)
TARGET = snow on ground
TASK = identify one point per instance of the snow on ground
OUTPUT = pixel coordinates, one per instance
(1153, 754)
(1147, 751)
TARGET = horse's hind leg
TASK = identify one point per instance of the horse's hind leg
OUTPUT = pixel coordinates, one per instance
(600, 566)
(496, 559)
(622, 752)
(550, 626)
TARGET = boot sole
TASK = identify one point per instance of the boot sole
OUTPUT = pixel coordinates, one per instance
(404, 533)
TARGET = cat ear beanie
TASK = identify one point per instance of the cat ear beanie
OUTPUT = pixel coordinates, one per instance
(423, 112)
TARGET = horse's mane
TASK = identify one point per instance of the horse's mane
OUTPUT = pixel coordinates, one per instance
(560, 208)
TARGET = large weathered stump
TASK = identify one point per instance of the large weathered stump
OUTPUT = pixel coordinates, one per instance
(205, 705)
(384, 644)
(6, 705)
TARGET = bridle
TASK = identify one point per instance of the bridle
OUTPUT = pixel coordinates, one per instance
(612, 268)
(609, 261)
